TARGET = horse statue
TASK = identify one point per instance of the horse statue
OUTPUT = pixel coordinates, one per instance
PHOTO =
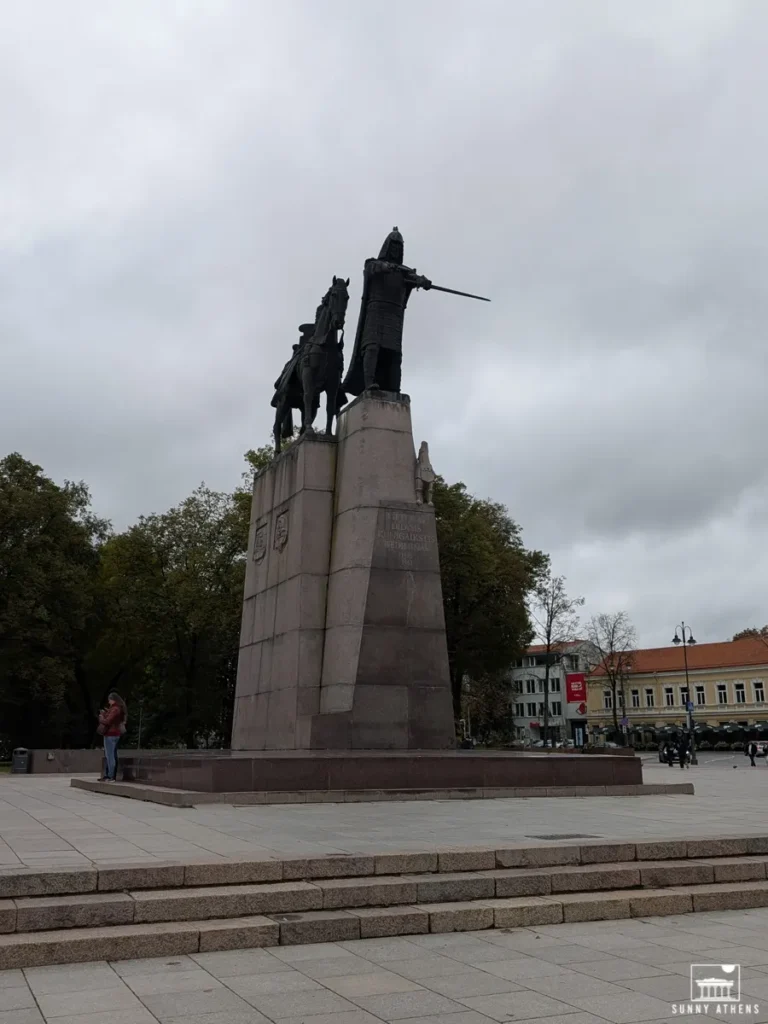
(322, 358)
(288, 393)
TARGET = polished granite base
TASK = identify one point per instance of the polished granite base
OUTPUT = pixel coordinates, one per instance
(329, 771)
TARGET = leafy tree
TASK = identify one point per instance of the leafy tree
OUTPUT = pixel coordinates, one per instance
(49, 557)
(487, 707)
(173, 587)
(487, 574)
(753, 634)
(614, 640)
(555, 623)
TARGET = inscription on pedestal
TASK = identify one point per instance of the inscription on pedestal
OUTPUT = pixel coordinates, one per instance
(405, 540)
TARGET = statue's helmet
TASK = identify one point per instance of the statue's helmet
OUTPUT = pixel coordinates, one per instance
(393, 250)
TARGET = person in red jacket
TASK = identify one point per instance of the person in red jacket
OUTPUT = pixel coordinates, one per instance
(112, 725)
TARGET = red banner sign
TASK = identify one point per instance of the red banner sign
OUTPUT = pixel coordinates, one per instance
(575, 688)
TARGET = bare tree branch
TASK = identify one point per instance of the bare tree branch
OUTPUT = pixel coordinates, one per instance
(614, 642)
(556, 624)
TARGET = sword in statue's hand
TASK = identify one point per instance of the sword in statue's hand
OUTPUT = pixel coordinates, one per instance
(452, 291)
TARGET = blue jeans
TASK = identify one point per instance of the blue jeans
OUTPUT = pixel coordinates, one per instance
(110, 752)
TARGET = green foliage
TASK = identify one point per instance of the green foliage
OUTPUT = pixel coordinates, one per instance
(487, 575)
(49, 561)
(173, 587)
(486, 704)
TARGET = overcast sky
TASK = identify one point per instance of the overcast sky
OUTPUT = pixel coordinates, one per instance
(180, 180)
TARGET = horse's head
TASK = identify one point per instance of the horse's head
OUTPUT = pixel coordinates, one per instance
(338, 299)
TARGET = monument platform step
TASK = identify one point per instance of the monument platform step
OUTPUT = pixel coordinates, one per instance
(479, 884)
(171, 797)
(732, 859)
(128, 941)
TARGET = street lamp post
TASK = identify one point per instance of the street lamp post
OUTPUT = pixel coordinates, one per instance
(684, 635)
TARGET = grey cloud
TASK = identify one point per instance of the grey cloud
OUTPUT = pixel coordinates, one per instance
(182, 183)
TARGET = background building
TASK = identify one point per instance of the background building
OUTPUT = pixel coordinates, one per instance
(567, 693)
(726, 684)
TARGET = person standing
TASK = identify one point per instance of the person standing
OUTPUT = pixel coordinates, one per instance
(112, 725)
(683, 750)
(752, 752)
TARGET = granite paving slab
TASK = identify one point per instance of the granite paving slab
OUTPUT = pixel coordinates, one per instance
(44, 823)
(535, 977)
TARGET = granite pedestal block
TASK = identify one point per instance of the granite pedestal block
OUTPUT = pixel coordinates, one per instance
(386, 771)
(385, 682)
(343, 641)
(283, 624)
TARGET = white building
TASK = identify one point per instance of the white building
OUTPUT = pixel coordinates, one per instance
(568, 667)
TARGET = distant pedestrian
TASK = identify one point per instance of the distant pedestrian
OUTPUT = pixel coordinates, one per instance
(683, 748)
(752, 752)
(112, 725)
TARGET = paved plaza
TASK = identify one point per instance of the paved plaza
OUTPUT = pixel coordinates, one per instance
(618, 972)
(614, 971)
(45, 823)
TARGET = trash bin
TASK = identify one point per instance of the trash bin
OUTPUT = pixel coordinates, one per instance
(20, 763)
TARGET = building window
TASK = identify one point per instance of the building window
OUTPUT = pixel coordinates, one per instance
(529, 662)
(531, 710)
(649, 698)
(517, 686)
(701, 697)
(574, 660)
(607, 700)
(541, 710)
(635, 698)
(669, 696)
(741, 697)
(757, 686)
(722, 693)
(554, 684)
(530, 686)
(684, 698)
(557, 708)
(519, 710)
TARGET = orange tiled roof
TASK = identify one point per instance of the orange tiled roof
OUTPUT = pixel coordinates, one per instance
(542, 648)
(729, 654)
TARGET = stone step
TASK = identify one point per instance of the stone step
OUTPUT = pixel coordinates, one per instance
(121, 941)
(145, 906)
(170, 797)
(63, 881)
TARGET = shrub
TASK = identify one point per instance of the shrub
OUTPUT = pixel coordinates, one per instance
(721, 745)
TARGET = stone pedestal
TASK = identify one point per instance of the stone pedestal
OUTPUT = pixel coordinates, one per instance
(286, 579)
(385, 682)
(343, 637)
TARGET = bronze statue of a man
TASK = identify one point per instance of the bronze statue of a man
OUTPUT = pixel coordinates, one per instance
(378, 352)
